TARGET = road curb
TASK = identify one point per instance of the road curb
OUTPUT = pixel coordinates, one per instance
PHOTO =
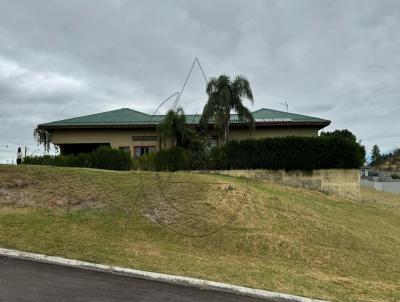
(179, 280)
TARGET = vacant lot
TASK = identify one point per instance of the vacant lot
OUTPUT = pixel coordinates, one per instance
(213, 227)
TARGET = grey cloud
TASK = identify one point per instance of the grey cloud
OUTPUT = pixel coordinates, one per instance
(338, 60)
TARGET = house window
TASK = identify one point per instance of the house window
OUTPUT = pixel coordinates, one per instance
(143, 150)
(126, 149)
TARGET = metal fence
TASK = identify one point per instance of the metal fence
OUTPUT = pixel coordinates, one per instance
(8, 152)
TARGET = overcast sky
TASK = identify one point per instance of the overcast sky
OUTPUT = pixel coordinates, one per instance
(338, 60)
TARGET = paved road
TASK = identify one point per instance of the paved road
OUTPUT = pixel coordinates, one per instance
(29, 281)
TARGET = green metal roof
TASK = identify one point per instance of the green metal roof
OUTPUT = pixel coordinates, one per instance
(275, 115)
(126, 117)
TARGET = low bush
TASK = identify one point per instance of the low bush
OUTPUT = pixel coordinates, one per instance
(103, 158)
(45, 160)
(178, 158)
(395, 176)
(217, 159)
(172, 159)
(145, 162)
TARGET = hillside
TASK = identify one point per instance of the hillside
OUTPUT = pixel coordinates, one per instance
(391, 164)
(218, 228)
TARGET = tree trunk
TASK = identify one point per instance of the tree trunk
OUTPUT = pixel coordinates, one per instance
(226, 132)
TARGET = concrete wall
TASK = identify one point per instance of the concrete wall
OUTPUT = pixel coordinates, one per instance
(387, 186)
(336, 181)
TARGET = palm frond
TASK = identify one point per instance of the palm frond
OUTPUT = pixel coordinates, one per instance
(243, 89)
(224, 96)
(245, 115)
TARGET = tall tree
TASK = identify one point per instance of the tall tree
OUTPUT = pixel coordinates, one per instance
(341, 133)
(172, 128)
(224, 96)
(376, 156)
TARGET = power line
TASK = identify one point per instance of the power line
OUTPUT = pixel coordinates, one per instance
(162, 103)
(196, 60)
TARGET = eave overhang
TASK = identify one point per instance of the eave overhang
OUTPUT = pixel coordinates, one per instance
(264, 124)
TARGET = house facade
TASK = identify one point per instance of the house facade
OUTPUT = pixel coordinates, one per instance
(136, 132)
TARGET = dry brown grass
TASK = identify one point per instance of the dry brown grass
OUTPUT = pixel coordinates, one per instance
(381, 199)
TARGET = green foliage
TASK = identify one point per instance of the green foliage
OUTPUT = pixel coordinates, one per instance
(289, 153)
(217, 159)
(192, 154)
(224, 96)
(172, 128)
(376, 156)
(395, 176)
(145, 162)
(42, 137)
(293, 153)
(172, 159)
(344, 133)
(45, 160)
(104, 157)
(197, 145)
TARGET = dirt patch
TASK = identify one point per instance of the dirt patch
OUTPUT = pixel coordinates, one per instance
(22, 188)
(16, 181)
(74, 203)
(32, 198)
(9, 196)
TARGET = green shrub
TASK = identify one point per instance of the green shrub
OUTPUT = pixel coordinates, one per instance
(395, 176)
(147, 162)
(135, 164)
(292, 153)
(47, 160)
(289, 153)
(172, 159)
(107, 158)
(216, 159)
(104, 157)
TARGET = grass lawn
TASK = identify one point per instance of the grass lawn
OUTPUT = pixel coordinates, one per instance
(218, 228)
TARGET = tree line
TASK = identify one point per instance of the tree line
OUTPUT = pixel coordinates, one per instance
(378, 158)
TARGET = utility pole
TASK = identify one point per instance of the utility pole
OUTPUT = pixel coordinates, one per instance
(25, 150)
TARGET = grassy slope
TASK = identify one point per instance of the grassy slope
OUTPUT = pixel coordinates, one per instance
(306, 243)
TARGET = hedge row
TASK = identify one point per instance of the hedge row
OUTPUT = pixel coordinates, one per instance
(292, 153)
(173, 159)
(289, 153)
(103, 158)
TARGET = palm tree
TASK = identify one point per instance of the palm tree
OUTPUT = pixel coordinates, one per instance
(172, 128)
(225, 96)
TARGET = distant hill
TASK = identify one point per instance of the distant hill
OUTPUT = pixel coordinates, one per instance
(392, 163)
